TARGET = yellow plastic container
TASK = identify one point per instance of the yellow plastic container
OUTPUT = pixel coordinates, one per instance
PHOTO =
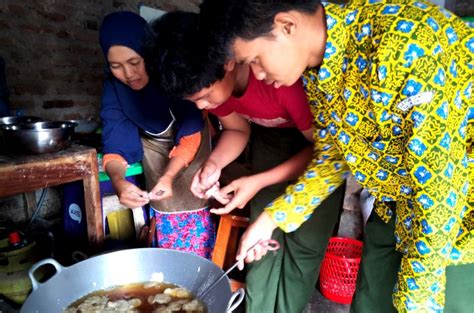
(121, 225)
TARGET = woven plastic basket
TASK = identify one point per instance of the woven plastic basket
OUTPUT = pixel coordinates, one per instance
(338, 275)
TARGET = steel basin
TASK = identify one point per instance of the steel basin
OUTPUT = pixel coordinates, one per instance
(38, 137)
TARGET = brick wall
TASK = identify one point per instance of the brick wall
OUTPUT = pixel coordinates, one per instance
(54, 62)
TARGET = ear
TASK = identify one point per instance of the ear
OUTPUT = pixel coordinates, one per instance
(286, 23)
(229, 66)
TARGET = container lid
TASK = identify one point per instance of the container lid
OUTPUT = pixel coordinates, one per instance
(132, 169)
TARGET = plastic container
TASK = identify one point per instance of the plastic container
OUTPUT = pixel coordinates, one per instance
(74, 221)
(339, 268)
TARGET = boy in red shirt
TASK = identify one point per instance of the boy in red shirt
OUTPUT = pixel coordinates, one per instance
(280, 125)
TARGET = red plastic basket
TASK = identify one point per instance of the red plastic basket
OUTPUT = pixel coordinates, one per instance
(338, 275)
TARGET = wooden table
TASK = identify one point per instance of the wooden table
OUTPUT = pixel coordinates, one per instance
(27, 173)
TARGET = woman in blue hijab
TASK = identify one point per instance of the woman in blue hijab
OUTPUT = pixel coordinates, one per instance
(168, 136)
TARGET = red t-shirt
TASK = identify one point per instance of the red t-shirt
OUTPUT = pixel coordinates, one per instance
(270, 107)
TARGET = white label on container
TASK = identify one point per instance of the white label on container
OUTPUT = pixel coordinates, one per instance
(75, 213)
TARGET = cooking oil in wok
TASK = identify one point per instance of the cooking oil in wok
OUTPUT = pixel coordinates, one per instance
(150, 297)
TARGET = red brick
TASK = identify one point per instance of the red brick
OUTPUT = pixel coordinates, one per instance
(62, 34)
(37, 29)
(15, 9)
(49, 104)
(52, 16)
(28, 88)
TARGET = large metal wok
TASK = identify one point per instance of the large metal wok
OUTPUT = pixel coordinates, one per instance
(125, 267)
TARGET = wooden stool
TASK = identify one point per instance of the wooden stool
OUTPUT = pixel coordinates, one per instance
(227, 242)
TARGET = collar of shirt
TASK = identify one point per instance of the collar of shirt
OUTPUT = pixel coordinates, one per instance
(334, 52)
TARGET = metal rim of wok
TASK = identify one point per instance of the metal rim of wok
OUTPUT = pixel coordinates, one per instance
(123, 267)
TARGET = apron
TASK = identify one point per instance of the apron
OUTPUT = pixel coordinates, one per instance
(155, 158)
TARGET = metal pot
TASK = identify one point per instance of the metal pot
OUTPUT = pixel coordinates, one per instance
(10, 120)
(130, 266)
(39, 137)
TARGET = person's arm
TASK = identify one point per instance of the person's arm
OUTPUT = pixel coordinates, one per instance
(129, 194)
(435, 161)
(234, 138)
(121, 146)
(245, 188)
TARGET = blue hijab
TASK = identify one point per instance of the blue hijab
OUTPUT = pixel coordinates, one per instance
(126, 113)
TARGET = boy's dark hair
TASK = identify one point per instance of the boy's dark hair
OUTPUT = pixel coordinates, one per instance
(177, 58)
(225, 20)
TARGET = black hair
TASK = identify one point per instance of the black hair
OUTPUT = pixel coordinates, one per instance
(177, 58)
(225, 20)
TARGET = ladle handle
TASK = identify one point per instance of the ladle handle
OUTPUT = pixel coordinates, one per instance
(235, 300)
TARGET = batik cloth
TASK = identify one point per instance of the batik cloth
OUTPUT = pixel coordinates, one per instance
(185, 231)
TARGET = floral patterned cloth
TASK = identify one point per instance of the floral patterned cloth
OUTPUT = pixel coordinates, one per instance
(192, 231)
(391, 102)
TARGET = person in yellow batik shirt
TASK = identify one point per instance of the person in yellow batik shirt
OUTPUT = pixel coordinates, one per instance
(390, 86)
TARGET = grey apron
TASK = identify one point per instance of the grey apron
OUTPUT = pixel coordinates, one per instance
(155, 159)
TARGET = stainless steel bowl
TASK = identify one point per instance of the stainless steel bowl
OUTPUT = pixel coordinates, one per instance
(85, 126)
(38, 137)
(10, 120)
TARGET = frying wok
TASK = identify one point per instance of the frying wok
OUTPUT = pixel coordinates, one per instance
(130, 266)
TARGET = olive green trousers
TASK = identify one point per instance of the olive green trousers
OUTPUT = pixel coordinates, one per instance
(378, 274)
(284, 281)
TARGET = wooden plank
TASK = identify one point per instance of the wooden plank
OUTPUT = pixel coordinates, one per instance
(92, 202)
(27, 173)
(25, 177)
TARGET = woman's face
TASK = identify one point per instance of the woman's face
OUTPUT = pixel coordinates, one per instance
(128, 67)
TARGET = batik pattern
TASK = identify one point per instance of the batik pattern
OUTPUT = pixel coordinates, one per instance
(391, 99)
(192, 231)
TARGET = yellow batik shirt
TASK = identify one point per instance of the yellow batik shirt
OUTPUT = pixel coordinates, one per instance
(391, 102)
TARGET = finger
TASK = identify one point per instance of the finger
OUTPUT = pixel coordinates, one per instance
(244, 245)
(260, 252)
(227, 189)
(196, 188)
(250, 257)
(240, 266)
(220, 211)
(232, 204)
(222, 199)
(135, 191)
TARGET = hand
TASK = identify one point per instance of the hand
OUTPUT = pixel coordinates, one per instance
(130, 195)
(239, 191)
(205, 178)
(163, 188)
(258, 231)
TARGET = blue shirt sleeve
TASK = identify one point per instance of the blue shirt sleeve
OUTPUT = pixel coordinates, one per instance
(119, 134)
(189, 119)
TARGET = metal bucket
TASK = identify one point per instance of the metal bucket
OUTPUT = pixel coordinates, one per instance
(130, 266)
